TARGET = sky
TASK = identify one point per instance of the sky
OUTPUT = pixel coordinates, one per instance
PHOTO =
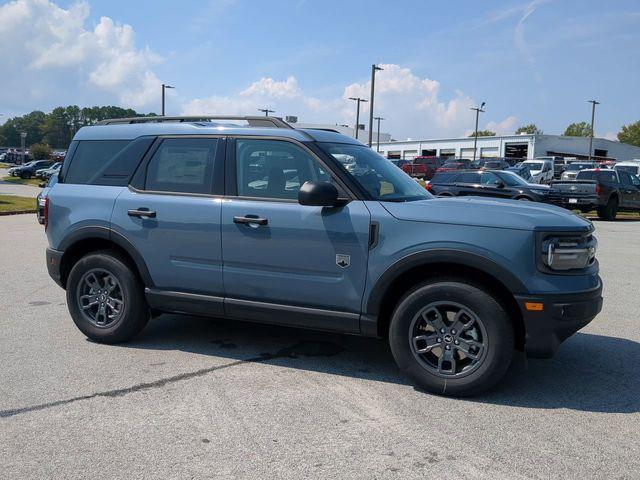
(536, 61)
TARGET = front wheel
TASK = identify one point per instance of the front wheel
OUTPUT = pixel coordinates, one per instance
(452, 337)
(610, 210)
(106, 299)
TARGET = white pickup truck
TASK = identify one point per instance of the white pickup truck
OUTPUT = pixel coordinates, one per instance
(541, 170)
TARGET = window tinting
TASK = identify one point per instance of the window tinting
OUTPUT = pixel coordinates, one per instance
(275, 169)
(182, 165)
(602, 176)
(444, 177)
(625, 178)
(90, 156)
(469, 177)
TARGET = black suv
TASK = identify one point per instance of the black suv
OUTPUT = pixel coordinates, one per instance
(487, 183)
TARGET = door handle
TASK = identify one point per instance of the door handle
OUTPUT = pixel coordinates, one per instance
(251, 219)
(142, 213)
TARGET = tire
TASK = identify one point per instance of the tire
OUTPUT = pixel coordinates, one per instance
(132, 313)
(610, 210)
(491, 327)
(525, 199)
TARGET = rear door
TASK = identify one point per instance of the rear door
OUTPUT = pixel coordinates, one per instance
(630, 192)
(171, 214)
(468, 183)
(293, 264)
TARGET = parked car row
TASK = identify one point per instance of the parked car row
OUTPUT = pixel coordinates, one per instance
(29, 169)
(45, 173)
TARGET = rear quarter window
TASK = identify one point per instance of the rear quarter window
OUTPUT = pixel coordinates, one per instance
(90, 157)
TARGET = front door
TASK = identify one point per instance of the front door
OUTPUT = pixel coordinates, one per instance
(173, 219)
(285, 262)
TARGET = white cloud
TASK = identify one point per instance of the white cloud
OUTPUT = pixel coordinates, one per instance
(611, 136)
(411, 105)
(506, 126)
(519, 38)
(46, 46)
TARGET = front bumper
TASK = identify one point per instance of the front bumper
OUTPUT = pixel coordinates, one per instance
(54, 258)
(562, 315)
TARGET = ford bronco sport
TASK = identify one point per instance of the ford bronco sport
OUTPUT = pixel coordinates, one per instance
(250, 219)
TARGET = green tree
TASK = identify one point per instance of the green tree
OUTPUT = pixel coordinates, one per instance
(630, 134)
(483, 133)
(578, 129)
(40, 151)
(531, 129)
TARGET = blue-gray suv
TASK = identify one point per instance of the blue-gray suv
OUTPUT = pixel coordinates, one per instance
(250, 219)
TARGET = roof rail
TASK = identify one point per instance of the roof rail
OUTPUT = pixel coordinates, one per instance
(253, 121)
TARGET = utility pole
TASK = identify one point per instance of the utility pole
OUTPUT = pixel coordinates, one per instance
(475, 137)
(266, 111)
(374, 68)
(593, 117)
(378, 145)
(23, 141)
(357, 100)
(164, 87)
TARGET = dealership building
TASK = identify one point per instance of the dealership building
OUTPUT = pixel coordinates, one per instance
(511, 146)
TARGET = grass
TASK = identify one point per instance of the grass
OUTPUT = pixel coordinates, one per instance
(23, 181)
(5, 165)
(10, 204)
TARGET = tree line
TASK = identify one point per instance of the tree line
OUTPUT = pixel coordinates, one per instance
(56, 129)
(628, 133)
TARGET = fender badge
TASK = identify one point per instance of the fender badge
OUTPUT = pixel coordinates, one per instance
(343, 261)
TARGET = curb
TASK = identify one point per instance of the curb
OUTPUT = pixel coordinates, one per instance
(19, 212)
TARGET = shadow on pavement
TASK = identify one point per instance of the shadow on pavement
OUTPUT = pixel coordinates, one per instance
(590, 372)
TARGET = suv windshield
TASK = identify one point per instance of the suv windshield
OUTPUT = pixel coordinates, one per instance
(511, 179)
(375, 174)
(580, 166)
(535, 166)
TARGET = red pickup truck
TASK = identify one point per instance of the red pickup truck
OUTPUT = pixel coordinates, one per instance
(423, 167)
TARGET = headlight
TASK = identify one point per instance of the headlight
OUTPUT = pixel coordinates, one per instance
(544, 191)
(568, 252)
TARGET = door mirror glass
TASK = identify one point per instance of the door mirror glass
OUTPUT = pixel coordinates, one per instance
(319, 194)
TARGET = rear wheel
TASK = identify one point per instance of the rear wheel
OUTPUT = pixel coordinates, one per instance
(452, 337)
(106, 299)
(610, 210)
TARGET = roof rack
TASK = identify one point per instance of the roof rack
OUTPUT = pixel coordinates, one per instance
(253, 121)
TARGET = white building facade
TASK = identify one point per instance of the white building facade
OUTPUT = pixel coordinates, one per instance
(511, 146)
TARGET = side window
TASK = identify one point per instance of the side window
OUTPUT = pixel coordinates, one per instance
(635, 180)
(183, 165)
(489, 178)
(275, 169)
(91, 156)
(625, 179)
(468, 177)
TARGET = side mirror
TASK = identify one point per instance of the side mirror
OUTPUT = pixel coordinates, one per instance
(319, 194)
(499, 183)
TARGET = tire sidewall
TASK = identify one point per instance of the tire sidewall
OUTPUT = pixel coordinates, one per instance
(497, 357)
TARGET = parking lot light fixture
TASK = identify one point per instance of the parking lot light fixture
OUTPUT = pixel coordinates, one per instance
(164, 87)
(266, 111)
(357, 100)
(374, 68)
(593, 117)
(378, 119)
(475, 136)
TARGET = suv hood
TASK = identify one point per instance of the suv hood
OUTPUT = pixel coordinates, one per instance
(495, 212)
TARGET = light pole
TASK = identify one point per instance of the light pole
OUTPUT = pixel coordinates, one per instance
(164, 87)
(593, 117)
(374, 68)
(23, 140)
(266, 111)
(357, 100)
(475, 137)
(378, 141)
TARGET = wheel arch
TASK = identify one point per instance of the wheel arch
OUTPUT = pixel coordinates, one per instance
(419, 267)
(89, 239)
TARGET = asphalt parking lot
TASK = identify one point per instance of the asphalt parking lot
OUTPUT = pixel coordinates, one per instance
(206, 398)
